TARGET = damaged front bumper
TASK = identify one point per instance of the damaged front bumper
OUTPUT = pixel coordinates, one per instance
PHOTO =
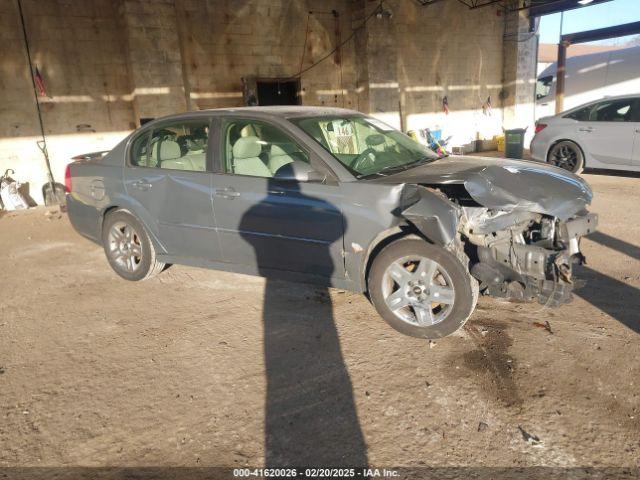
(524, 255)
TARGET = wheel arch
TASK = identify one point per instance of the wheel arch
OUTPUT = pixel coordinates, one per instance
(119, 207)
(575, 142)
(102, 215)
(382, 240)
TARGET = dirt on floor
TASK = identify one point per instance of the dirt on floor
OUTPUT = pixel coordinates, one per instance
(198, 368)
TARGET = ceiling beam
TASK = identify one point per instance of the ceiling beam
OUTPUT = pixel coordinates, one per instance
(601, 33)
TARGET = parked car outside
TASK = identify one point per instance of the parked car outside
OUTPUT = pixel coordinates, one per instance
(603, 134)
(589, 78)
(333, 197)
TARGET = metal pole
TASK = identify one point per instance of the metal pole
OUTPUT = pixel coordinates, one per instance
(561, 63)
(35, 94)
(560, 75)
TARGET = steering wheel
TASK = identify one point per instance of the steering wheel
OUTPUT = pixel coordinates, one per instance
(366, 155)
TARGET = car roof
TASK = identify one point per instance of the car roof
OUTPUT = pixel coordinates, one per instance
(606, 98)
(593, 102)
(280, 111)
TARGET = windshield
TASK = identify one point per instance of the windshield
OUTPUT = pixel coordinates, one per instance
(365, 145)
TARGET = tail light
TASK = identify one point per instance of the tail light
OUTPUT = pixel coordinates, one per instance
(540, 127)
(67, 179)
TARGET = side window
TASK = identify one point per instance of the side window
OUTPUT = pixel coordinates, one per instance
(259, 149)
(180, 146)
(635, 114)
(543, 87)
(140, 151)
(613, 111)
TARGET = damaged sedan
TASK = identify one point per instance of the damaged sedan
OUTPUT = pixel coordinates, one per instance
(333, 197)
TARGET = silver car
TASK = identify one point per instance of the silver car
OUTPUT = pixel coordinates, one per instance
(602, 134)
(333, 197)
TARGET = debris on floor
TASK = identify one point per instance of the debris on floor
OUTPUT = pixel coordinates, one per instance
(528, 437)
(53, 214)
(482, 426)
(11, 196)
(546, 325)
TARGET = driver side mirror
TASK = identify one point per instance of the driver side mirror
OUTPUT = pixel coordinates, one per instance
(299, 171)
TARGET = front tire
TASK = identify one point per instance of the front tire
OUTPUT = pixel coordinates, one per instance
(128, 248)
(566, 155)
(420, 289)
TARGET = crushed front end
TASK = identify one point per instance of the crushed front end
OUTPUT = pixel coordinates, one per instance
(524, 255)
(519, 223)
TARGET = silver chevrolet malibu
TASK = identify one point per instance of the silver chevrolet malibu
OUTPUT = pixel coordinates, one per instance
(337, 198)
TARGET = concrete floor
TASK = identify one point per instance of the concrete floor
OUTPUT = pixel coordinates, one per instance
(200, 368)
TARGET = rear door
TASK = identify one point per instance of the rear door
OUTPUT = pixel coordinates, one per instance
(607, 133)
(270, 224)
(168, 174)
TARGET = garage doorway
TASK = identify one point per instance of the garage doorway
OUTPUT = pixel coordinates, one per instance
(278, 92)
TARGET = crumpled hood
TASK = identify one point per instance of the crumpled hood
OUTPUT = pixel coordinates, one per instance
(505, 184)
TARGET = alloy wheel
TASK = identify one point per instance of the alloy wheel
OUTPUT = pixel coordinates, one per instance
(418, 291)
(125, 247)
(564, 156)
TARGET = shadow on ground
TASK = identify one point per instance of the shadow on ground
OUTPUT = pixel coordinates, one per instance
(310, 414)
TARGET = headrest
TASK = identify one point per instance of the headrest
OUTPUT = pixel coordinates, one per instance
(283, 149)
(248, 131)
(247, 147)
(169, 150)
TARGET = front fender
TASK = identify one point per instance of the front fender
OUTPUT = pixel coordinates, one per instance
(434, 216)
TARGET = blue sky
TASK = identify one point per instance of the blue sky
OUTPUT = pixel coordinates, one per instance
(602, 15)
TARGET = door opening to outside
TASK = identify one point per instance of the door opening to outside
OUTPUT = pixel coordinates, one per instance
(274, 92)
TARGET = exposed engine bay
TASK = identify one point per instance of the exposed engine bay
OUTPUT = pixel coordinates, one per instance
(524, 255)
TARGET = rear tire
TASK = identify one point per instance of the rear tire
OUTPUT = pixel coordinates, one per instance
(420, 289)
(566, 155)
(128, 248)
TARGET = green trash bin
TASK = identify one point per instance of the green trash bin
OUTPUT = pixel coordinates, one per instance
(514, 142)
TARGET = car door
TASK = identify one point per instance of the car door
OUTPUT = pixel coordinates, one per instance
(607, 134)
(635, 156)
(266, 220)
(168, 174)
(545, 93)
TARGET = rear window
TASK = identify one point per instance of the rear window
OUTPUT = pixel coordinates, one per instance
(624, 110)
(140, 151)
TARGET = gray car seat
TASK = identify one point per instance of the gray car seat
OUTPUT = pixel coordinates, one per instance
(165, 151)
(281, 155)
(246, 160)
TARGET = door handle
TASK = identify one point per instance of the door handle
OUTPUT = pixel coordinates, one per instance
(276, 192)
(586, 129)
(227, 192)
(142, 184)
